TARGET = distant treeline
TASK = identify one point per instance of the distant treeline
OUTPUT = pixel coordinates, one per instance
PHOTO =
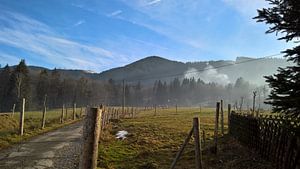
(50, 85)
(17, 83)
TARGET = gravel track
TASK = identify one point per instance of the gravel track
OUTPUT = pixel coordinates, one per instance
(59, 149)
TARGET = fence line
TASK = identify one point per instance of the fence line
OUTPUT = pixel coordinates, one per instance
(275, 138)
(108, 115)
(115, 113)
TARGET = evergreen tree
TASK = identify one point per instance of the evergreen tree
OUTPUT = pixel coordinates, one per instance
(42, 87)
(184, 91)
(175, 91)
(20, 84)
(113, 93)
(284, 16)
(164, 93)
(138, 95)
(4, 86)
(54, 88)
(158, 92)
(128, 100)
(67, 91)
(81, 92)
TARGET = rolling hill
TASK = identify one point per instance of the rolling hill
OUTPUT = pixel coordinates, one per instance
(153, 68)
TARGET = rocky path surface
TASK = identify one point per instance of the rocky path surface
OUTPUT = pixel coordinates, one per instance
(59, 149)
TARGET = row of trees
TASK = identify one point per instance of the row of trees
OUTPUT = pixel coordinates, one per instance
(17, 83)
(184, 92)
(192, 92)
(56, 89)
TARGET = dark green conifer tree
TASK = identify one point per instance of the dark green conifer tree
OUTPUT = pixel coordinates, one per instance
(42, 87)
(284, 19)
(19, 87)
(4, 86)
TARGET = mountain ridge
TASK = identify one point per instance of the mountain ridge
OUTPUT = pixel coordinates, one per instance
(154, 68)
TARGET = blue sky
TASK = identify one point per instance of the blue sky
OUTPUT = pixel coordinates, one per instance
(101, 34)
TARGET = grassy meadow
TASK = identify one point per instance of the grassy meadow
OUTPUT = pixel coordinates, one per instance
(9, 125)
(154, 140)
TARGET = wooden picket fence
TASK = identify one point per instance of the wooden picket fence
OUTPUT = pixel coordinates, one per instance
(275, 138)
(115, 113)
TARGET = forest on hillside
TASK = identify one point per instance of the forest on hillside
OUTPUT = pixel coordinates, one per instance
(56, 90)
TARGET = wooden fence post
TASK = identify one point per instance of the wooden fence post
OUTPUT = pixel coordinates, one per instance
(86, 109)
(117, 113)
(114, 114)
(91, 133)
(62, 114)
(155, 110)
(203, 138)
(81, 112)
(216, 128)
(253, 108)
(44, 113)
(102, 120)
(74, 111)
(228, 118)
(200, 109)
(22, 113)
(13, 110)
(257, 113)
(66, 109)
(198, 157)
(176, 108)
(44, 117)
(222, 118)
(118, 117)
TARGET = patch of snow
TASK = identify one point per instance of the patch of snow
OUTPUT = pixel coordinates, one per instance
(121, 134)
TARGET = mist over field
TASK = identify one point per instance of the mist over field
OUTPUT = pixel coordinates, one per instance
(208, 75)
(155, 81)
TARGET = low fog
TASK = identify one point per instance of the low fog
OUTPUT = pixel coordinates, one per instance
(197, 84)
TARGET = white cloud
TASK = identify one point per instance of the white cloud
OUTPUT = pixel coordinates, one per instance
(80, 6)
(79, 23)
(37, 39)
(167, 19)
(153, 2)
(115, 13)
(8, 59)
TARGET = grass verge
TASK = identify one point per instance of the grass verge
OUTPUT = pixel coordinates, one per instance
(9, 126)
(153, 142)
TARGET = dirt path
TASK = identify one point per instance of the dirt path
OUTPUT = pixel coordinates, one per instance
(57, 149)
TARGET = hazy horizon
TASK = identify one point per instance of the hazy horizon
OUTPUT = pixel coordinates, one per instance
(100, 35)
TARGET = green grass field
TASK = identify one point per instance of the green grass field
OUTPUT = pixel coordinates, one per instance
(9, 125)
(153, 142)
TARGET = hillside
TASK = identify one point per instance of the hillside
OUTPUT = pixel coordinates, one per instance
(147, 69)
(152, 68)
